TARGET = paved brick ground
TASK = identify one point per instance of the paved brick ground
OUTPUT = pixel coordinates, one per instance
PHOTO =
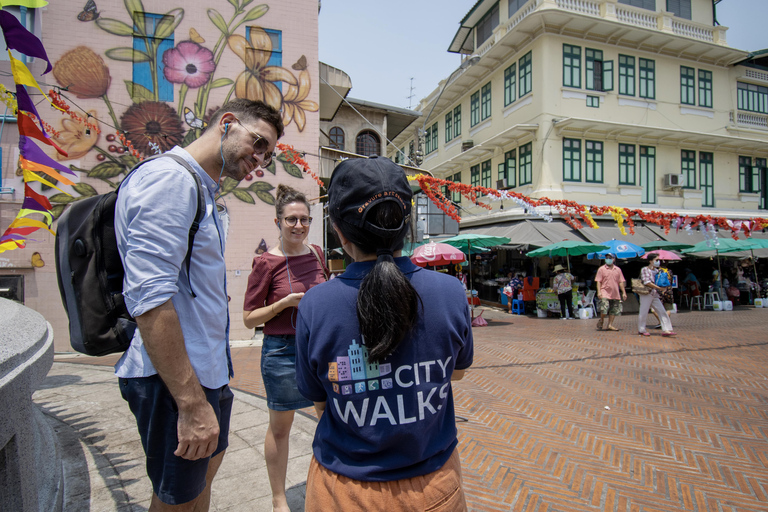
(556, 416)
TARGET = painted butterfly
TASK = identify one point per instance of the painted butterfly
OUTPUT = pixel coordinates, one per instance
(262, 248)
(37, 260)
(195, 36)
(192, 120)
(300, 64)
(89, 12)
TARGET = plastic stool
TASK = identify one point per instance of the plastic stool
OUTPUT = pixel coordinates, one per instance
(696, 299)
(709, 298)
(518, 307)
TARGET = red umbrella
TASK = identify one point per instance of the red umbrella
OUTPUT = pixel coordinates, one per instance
(436, 254)
(663, 255)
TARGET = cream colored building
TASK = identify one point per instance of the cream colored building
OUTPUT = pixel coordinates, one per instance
(605, 102)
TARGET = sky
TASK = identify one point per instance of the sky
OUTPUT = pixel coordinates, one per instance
(383, 44)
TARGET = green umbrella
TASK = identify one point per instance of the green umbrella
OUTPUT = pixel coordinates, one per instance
(669, 245)
(470, 240)
(727, 245)
(567, 248)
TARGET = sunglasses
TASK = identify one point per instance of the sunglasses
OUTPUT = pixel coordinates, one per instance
(260, 145)
(292, 221)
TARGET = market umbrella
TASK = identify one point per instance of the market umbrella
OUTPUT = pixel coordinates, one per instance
(665, 244)
(726, 245)
(620, 248)
(664, 255)
(436, 254)
(470, 240)
(567, 248)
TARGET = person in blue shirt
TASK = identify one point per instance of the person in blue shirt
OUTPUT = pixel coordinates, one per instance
(376, 351)
(175, 373)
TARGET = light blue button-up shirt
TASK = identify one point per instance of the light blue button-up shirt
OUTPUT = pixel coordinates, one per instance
(154, 211)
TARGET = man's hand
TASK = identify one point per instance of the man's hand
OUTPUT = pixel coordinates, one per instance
(624, 296)
(198, 432)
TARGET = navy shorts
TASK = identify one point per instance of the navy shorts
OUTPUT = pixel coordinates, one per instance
(278, 372)
(174, 480)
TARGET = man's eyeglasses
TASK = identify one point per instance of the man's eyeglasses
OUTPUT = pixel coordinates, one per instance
(292, 221)
(260, 145)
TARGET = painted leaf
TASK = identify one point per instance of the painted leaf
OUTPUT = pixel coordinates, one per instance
(138, 92)
(189, 137)
(272, 167)
(266, 197)
(106, 170)
(136, 9)
(246, 3)
(227, 186)
(127, 55)
(129, 160)
(234, 4)
(256, 13)
(85, 189)
(61, 198)
(221, 82)
(243, 195)
(292, 169)
(218, 20)
(57, 210)
(260, 186)
(115, 27)
(168, 23)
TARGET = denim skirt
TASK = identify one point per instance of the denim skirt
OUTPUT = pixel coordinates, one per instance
(278, 371)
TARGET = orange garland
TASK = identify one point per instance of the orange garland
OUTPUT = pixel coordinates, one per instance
(574, 213)
(293, 157)
(59, 102)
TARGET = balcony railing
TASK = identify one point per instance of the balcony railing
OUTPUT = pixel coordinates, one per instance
(750, 119)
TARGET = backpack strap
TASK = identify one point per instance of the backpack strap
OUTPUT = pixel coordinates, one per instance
(325, 269)
(199, 216)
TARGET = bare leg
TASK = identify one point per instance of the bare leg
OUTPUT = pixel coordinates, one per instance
(610, 323)
(276, 455)
(199, 504)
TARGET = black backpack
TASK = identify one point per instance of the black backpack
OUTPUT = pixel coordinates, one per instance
(90, 272)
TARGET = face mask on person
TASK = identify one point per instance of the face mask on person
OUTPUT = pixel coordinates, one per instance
(608, 261)
(656, 263)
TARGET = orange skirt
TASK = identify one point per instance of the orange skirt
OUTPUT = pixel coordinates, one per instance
(439, 491)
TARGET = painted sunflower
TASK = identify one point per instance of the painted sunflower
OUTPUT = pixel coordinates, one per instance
(152, 121)
(255, 83)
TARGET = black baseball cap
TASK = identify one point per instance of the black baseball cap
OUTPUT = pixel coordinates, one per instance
(358, 184)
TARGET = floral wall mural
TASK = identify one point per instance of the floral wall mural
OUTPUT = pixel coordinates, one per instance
(170, 86)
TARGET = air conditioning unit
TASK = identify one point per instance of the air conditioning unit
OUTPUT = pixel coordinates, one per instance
(467, 144)
(501, 184)
(673, 181)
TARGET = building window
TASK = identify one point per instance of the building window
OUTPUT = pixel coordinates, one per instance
(510, 164)
(486, 25)
(705, 88)
(688, 168)
(626, 75)
(474, 175)
(626, 164)
(593, 101)
(449, 126)
(762, 176)
(510, 84)
(648, 174)
(428, 141)
(434, 137)
(485, 102)
(485, 174)
(593, 159)
(681, 8)
(647, 78)
(514, 5)
(337, 138)
(643, 4)
(474, 109)
(748, 179)
(368, 143)
(687, 85)
(753, 98)
(457, 121)
(525, 164)
(144, 74)
(571, 160)
(593, 69)
(707, 179)
(456, 196)
(571, 66)
(525, 65)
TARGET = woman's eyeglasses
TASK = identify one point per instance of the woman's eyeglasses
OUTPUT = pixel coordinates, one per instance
(292, 221)
(260, 145)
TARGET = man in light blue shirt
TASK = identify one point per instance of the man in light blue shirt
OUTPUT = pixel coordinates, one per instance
(175, 374)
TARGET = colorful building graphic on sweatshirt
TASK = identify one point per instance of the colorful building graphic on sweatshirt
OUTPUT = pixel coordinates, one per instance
(408, 393)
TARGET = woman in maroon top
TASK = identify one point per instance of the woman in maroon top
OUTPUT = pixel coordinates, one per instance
(277, 283)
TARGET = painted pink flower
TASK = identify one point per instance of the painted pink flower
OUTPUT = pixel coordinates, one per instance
(188, 63)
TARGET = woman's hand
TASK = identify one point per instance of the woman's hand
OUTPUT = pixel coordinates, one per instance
(290, 301)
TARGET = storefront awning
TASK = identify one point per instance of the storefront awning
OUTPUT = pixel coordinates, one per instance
(610, 231)
(525, 233)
